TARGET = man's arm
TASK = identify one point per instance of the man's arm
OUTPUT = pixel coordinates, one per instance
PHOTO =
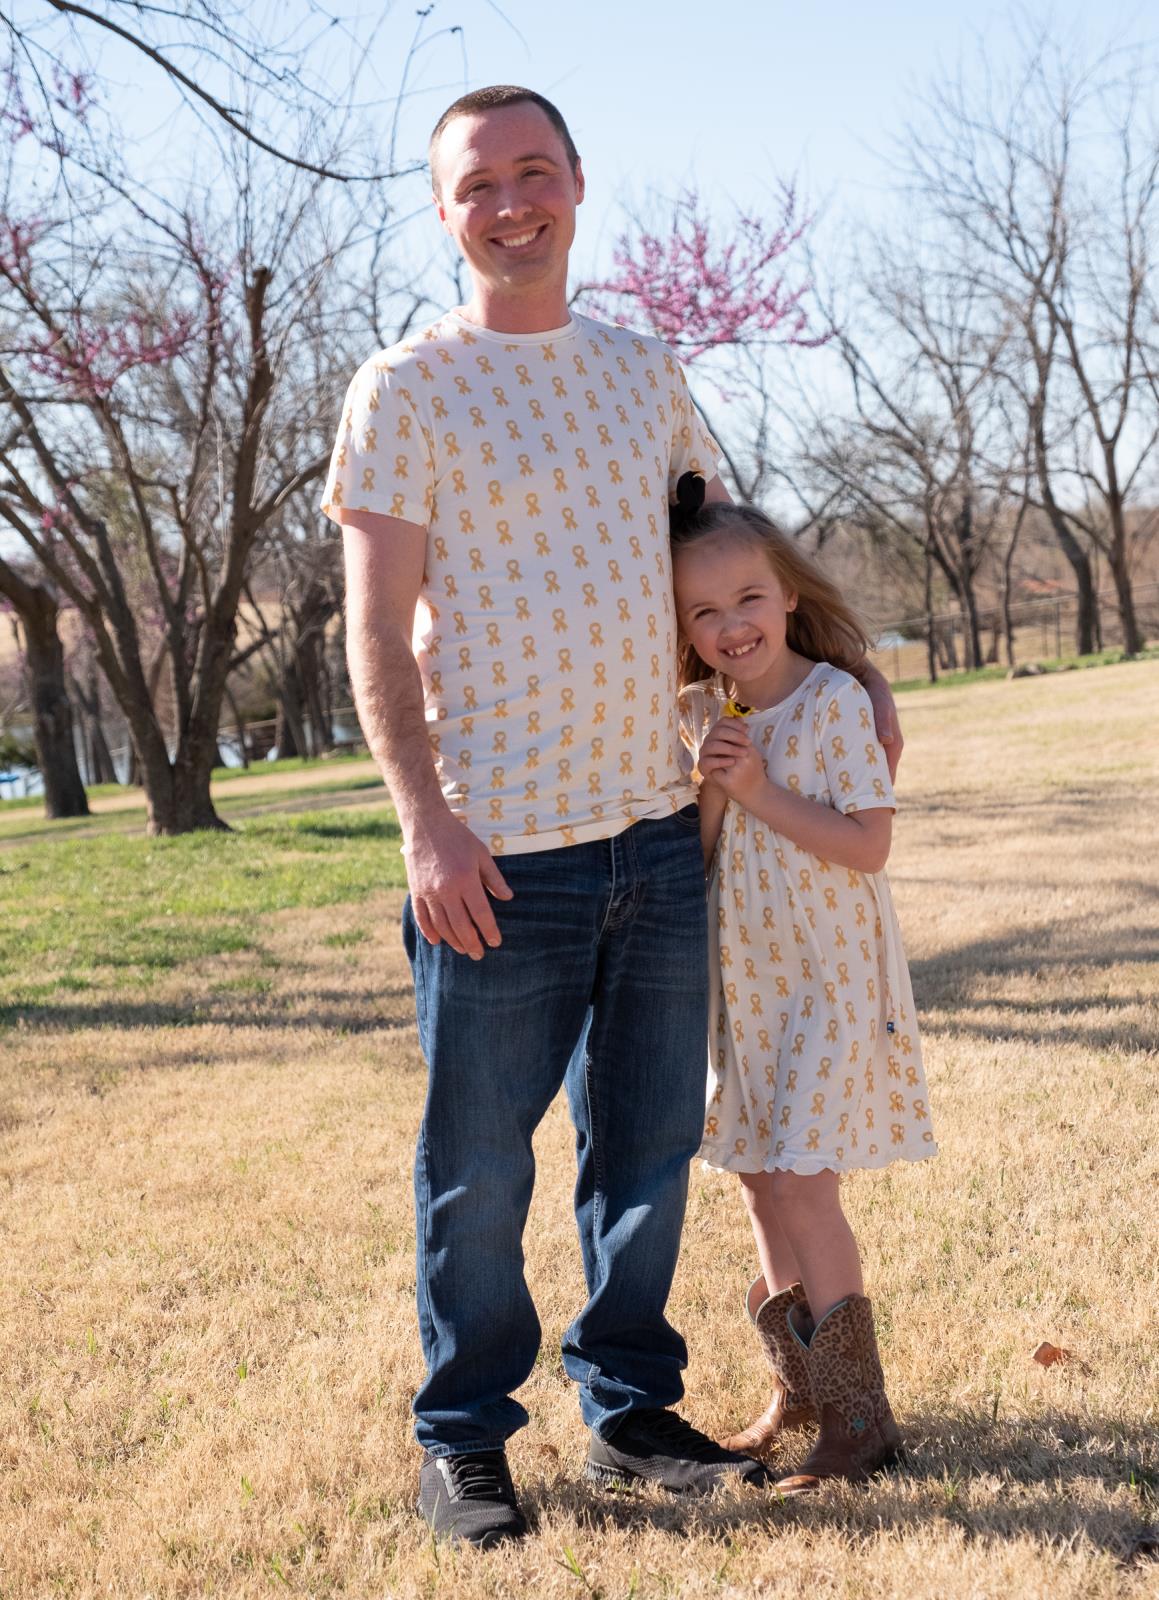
(713, 801)
(449, 870)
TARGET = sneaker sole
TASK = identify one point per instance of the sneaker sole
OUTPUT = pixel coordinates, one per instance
(487, 1540)
(612, 1477)
(618, 1479)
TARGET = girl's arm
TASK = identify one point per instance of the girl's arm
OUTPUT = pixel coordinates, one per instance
(857, 839)
(712, 803)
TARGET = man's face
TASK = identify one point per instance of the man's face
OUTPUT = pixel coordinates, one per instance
(506, 194)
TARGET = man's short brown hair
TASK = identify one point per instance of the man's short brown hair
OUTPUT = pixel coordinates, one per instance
(502, 94)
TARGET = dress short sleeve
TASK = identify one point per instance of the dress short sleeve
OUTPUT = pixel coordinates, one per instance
(855, 766)
(382, 459)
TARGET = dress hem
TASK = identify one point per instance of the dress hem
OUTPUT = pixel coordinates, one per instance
(808, 1168)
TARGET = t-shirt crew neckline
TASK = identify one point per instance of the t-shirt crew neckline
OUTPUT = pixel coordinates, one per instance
(548, 336)
(779, 705)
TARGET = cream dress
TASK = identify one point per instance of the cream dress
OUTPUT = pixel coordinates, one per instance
(814, 1058)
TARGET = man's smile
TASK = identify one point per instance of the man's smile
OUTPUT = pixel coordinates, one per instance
(516, 241)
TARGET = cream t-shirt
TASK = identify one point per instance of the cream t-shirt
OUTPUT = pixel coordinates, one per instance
(542, 466)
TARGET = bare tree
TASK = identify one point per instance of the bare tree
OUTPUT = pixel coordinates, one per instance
(919, 454)
(158, 425)
(1053, 173)
(249, 76)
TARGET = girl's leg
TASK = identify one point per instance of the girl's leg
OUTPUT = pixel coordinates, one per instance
(776, 1256)
(808, 1213)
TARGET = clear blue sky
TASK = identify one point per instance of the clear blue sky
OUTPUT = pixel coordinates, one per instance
(729, 93)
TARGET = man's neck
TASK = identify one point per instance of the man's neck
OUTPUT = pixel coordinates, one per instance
(530, 313)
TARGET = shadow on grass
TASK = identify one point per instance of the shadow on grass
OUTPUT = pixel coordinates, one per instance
(336, 1011)
(1049, 956)
(1059, 1454)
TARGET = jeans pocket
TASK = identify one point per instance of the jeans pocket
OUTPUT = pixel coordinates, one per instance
(689, 817)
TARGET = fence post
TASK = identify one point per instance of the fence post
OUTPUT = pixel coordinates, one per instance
(1058, 630)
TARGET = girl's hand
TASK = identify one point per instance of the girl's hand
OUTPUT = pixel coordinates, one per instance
(729, 759)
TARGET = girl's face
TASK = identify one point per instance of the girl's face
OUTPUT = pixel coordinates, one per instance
(734, 612)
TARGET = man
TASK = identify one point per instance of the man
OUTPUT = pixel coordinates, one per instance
(502, 481)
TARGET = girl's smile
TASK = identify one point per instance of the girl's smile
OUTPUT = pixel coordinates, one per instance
(734, 612)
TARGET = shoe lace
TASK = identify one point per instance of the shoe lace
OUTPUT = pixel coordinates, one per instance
(670, 1428)
(481, 1476)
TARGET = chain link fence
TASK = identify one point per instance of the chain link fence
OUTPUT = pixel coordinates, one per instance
(1042, 630)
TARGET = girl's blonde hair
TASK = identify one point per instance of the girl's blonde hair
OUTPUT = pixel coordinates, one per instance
(824, 626)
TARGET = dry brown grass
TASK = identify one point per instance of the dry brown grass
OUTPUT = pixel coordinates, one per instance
(207, 1337)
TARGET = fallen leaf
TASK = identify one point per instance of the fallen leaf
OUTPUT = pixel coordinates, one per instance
(1048, 1354)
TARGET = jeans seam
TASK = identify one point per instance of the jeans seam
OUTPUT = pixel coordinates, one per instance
(603, 927)
(598, 1165)
(428, 1308)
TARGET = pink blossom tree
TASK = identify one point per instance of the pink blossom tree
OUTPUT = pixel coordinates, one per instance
(726, 289)
(700, 287)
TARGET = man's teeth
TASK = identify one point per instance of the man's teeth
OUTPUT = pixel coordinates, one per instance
(518, 239)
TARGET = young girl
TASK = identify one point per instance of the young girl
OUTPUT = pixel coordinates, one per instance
(815, 1067)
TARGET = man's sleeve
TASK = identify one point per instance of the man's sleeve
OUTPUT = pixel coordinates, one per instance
(693, 447)
(382, 459)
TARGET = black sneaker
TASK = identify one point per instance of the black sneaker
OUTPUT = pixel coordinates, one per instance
(470, 1498)
(660, 1447)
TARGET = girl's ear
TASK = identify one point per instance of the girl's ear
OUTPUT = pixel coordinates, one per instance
(791, 600)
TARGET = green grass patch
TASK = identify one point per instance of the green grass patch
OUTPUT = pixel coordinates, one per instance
(991, 674)
(125, 908)
(290, 764)
(347, 940)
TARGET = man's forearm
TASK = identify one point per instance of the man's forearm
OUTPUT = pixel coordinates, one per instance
(388, 694)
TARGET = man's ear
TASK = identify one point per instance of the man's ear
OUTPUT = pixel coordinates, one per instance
(579, 182)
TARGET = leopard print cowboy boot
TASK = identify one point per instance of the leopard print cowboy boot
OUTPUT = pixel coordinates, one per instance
(858, 1434)
(791, 1405)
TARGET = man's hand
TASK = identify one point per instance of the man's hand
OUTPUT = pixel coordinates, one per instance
(886, 724)
(729, 759)
(451, 873)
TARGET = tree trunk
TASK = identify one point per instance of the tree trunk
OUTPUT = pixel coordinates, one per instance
(1086, 617)
(1124, 594)
(290, 733)
(98, 756)
(177, 796)
(52, 725)
(931, 632)
(971, 628)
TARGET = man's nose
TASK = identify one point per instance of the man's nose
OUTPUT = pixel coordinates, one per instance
(512, 203)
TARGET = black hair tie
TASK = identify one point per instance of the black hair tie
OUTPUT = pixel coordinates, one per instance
(690, 488)
(689, 504)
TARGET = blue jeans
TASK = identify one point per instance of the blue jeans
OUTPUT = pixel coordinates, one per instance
(599, 984)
